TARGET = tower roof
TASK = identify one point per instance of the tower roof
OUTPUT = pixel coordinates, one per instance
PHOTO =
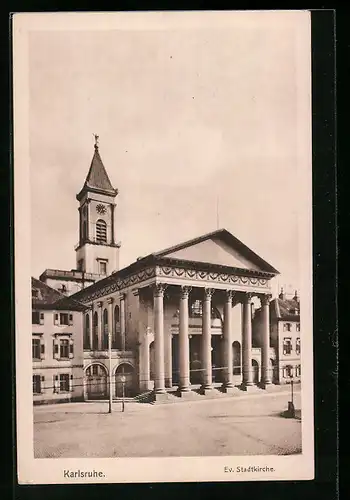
(97, 179)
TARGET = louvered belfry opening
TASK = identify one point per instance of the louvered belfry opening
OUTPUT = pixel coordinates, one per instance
(101, 231)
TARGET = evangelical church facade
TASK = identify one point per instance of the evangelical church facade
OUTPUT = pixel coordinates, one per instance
(179, 319)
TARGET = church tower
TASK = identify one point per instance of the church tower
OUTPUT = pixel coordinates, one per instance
(97, 251)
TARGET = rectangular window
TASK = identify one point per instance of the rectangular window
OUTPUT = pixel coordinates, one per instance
(103, 267)
(287, 327)
(64, 348)
(298, 371)
(297, 346)
(287, 346)
(287, 371)
(36, 349)
(36, 384)
(35, 317)
(64, 382)
(64, 319)
(298, 327)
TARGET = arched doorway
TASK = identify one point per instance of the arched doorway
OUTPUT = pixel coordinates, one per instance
(127, 371)
(96, 381)
(255, 369)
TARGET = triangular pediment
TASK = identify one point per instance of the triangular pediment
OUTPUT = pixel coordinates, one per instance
(218, 248)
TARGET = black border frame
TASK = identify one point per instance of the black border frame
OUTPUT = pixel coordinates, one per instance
(325, 484)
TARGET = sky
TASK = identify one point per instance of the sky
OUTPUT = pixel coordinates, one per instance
(198, 129)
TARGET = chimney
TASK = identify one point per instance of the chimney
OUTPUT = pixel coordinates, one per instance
(282, 295)
(296, 297)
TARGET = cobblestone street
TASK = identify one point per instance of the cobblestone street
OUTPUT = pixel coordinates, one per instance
(249, 425)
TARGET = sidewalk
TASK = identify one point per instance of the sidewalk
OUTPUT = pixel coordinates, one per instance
(102, 405)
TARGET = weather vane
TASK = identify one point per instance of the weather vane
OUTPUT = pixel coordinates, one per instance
(96, 140)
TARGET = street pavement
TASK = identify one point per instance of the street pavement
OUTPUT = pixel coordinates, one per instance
(249, 425)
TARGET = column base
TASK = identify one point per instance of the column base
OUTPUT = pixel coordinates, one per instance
(247, 386)
(206, 389)
(228, 389)
(185, 394)
(160, 397)
(267, 384)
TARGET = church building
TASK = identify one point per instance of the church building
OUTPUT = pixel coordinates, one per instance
(179, 320)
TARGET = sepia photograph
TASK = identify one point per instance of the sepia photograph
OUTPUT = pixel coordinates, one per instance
(163, 256)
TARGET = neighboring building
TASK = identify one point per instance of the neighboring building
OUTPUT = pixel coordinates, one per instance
(285, 337)
(57, 348)
(97, 252)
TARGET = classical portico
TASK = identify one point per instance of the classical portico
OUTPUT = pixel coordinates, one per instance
(227, 297)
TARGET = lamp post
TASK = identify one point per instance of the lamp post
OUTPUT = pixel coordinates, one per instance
(123, 379)
(110, 370)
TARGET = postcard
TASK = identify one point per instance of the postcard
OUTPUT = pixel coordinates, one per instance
(163, 246)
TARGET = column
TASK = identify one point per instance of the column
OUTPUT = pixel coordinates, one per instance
(247, 341)
(158, 294)
(227, 340)
(99, 325)
(91, 327)
(122, 321)
(206, 340)
(184, 341)
(265, 345)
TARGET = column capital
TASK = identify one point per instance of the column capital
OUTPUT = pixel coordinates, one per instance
(185, 291)
(110, 300)
(247, 297)
(265, 299)
(99, 303)
(229, 295)
(135, 292)
(208, 293)
(122, 296)
(159, 289)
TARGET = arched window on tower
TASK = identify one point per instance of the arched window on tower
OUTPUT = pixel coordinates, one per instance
(101, 231)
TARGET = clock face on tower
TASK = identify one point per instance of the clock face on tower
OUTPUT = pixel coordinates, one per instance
(101, 209)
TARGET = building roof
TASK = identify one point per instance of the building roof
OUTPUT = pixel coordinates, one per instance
(45, 297)
(162, 258)
(97, 179)
(286, 309)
